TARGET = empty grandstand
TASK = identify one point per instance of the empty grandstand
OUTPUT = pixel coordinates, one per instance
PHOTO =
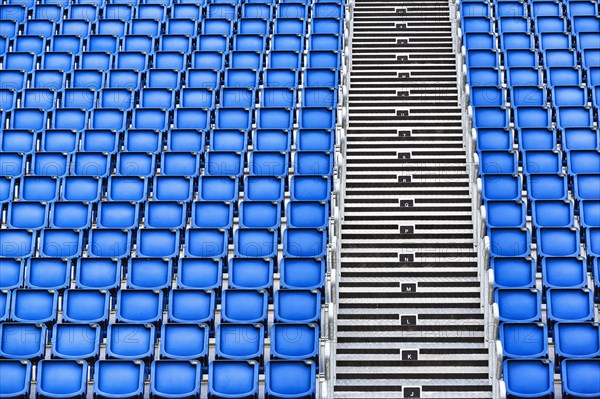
(299, 199)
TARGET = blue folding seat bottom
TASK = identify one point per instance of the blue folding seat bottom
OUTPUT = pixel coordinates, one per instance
(239, 341)
(22, 341)
(580, 378)
(181, 341)
(149, 273)
(139, 306)
(564, 272)
(76, 341)
(130, 341)
(310, 188)
(86, 306)
(290, 379)
(244, 306)
(233, 379)
(577, 340)
(200, 273)
(297, 306)
(11, 274)
(157, 243)
(519, 305)
(16, 376)
(255, 243)
(558, 242)
(61, 378)
(294, 341)
(172, 188)
(259, 214)
(206, 243)
(570, 304)
(251, 273)
(48, 273)
(547, 187)
(175, 379)
(165, 215)
(191, 306)
(529, 378)
(513, 272)
(113, 378)
(515, 346)
(35, 306)
(217, 188)
(509, 241)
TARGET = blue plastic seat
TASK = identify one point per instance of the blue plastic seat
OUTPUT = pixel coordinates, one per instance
(136, 164)
(191, 118)
(558, 242)
(514, 346)
(163, 78)
(212, 214)
(123, 188)
(202, 78)
(86, 306)
(157, 243)
(255, 243)
(552, 213)
(11, 274)
(577, 340)
(139, 306)
(547, 187)
(518, 272)
(239, 341)
(87, 78)
(509, 241)
(569, 95)
(585, 23)
(591, 240)
(529, 378)
(589, 213)
(109, 243)
(182, 26)
(560, 58)
(139, 43)
(228, 140)
(316, 118)
(533, 116)
(234, 379)
(217, 188)
(271, 140)
(184, 341)
(528, 96)
(546, 8)
(524, 76)
(498, 162)
(514, 24)
(561, 272)
(328, 10)
(536, 139)
(17, 243)
(304, 242)
(172, 188)
(268, 164)
(144, 26)
(76, 27)
(124, 378)
(257, 26)
(310, 188)
(276, 97)
(555, 40)
(244, 306)
(48, 273)
(76, 341)
(22, 341)
(98, 273)
(175, 379)
(550, 24)
(296, 26)
(542, 162)
(287, 59)
(199, 273)
(570, 304)
(149, 273)
(581, 161)
(63, 243)
(108, 118)
(297, 306)
(205, 243)
(35, 188)
(26, 215)
(573, 116)
(505, 213)
(16, 374)
(491, 117)
(294, 341)
(165, 215)
(191, 306)
(34, 306)
(290, 379)
(224, 163)
(283, 77)
(580, 378)
(12, 79)
(130, 342)
(519, 305)
(251, 273)
(180, 164)
(564, 76)
(61, 378)
(175, 60)
(249, 42)
(259, 214)
(241, 78)
(263, 188)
